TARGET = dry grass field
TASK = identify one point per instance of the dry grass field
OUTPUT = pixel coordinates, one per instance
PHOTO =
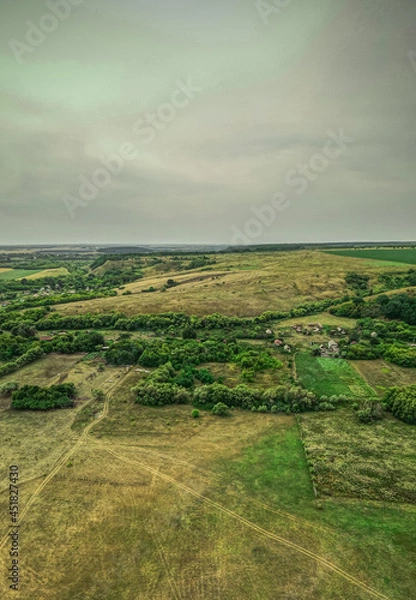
(59, 272)
(35, 440)
(238, 284)
(146, 503)
(381, 375)
(120, 501)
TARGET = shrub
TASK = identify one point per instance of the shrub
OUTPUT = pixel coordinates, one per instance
(36, 398)
(195, 413)
(8, 388)
(401, 402)
(370, 412)
(220, 409)
(188, 333)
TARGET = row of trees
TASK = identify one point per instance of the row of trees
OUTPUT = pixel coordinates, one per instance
(29, 356)
(51, 320)
(164, 387)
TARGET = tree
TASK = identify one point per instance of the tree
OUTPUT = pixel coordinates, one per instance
(370, 412)
(98, 394)
(188, 333)
(401, 402)
(220, 409)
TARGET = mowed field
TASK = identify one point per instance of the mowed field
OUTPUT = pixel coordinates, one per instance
(237, 285)
(402, 255)
(59, 272)
(152, 504)
(331, 376)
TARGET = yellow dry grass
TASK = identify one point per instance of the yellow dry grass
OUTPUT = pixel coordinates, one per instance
(239, 285)
(381, 375)
(59, 272)
(144, 512)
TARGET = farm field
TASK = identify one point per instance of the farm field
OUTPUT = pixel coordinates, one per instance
(145, 486)
(381, 375)
(274, 281)
(10, 274)
(352, 459)
(324, 318)
(59, 272)
(406, 256)
(331, 376)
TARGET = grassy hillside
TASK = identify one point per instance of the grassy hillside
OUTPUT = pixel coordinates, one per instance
(238, 284)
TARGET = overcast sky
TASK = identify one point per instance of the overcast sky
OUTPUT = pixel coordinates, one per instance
(225, 121)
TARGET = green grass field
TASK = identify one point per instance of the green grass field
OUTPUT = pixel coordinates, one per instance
(329, 376)
(10, 274)
(407, 256)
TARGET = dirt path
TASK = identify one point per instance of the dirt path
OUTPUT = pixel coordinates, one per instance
(62, 461)
(168, 479)
(264, 532)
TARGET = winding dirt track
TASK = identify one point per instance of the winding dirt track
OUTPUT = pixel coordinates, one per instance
(250, 524)
(156, 473)
(61, 463)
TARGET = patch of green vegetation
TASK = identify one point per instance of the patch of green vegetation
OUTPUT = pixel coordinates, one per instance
(273, 468)
(407, 256)
(358, 460)
(88, 413)
(17, 274)
(331, 376)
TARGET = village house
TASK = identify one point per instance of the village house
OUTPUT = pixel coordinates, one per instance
(333, 347)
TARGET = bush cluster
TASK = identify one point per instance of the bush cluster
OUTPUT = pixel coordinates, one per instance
(34, 397)
(401, 402)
